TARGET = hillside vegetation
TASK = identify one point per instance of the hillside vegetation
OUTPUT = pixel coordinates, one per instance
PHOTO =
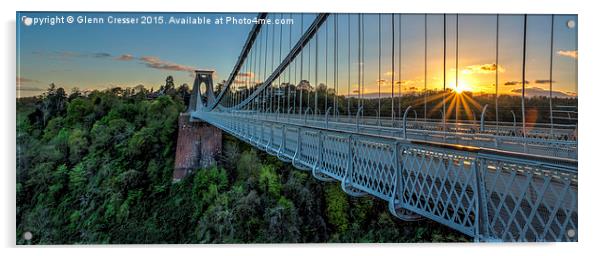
(96, 169)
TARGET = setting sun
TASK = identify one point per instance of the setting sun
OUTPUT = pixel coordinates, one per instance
(462, 87)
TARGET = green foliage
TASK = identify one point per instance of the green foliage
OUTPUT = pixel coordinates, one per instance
(77, 178)
(336, 207)
(97, 169)
(269, 182)
(248, 166)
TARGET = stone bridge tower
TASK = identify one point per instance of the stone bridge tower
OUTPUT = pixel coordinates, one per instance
(199, 142)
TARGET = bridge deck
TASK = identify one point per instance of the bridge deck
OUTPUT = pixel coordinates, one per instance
(495, 137)
(482, 194)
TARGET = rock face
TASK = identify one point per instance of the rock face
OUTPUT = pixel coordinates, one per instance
(199, 143)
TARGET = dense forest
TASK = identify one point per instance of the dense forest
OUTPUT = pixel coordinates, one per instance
(96, 167)
(467, 106)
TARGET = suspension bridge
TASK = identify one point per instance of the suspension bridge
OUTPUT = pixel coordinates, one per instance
(489, 171)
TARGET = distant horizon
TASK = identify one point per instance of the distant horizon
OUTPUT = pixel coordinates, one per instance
(99, 56)
(371, 95)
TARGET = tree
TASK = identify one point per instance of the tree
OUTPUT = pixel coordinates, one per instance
(97, 169)
(336, 208)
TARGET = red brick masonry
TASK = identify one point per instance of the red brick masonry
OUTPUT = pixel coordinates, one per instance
(198, 145)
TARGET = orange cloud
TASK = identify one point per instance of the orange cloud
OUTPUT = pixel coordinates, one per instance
(482, 69)
(246, 74)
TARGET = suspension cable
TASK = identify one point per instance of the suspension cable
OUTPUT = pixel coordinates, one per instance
(523, 74)
(348, 65)
(279, 60)
(288, 86)
(265, 68)
(326, 73)
(457, 46)
(359, 60)
(272, 68)
(392, 69)
(444, 73)
(336, 64)
(363, 60)
(309, 72)
(379, 65)
(497, 67)
(301, 74)
(261, 71)
(551, 69)
(399, 73)
(316, 77)
(425, 56)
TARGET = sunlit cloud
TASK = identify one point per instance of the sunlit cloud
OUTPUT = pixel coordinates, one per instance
(537, 91)
(23, 80)
(246, 74)
(482, 69)
(538, 81)
(240, 81)
(157, 63)
(568, 53)
(26, 84)
(125, 57)
(515, 82)
(544, 81)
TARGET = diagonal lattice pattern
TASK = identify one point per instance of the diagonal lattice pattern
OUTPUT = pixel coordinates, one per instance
(335, 155)
(308, 150)
(373, 167)
(486, 196)
(527, 202)
(440, 185)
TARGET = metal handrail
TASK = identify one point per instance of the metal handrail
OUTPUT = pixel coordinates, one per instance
(458, 147)
(357, 117)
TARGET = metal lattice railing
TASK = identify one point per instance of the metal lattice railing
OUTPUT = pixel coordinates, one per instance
(489, 196)
(494, 181)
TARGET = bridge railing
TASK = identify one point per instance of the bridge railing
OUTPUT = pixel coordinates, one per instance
(486, 194)
(531, 145)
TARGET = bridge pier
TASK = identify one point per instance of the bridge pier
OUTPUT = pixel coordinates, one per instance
(198, 145)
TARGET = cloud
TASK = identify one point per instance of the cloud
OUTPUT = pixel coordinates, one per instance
(30, 88)
(101, 55)
(246, 74)
(482, 69)
(536, 91)
(515, 82)
(239, 81)
(544, 81)
(26, 84)
(156, 63)
(538, 81)
(149, 61)
(23, 80)
(69, 54)
(568, 53)
(125, 57)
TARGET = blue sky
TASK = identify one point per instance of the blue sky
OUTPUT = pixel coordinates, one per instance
(87, 55)
(95, 56)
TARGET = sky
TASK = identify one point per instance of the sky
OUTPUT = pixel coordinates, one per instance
(97, 56)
